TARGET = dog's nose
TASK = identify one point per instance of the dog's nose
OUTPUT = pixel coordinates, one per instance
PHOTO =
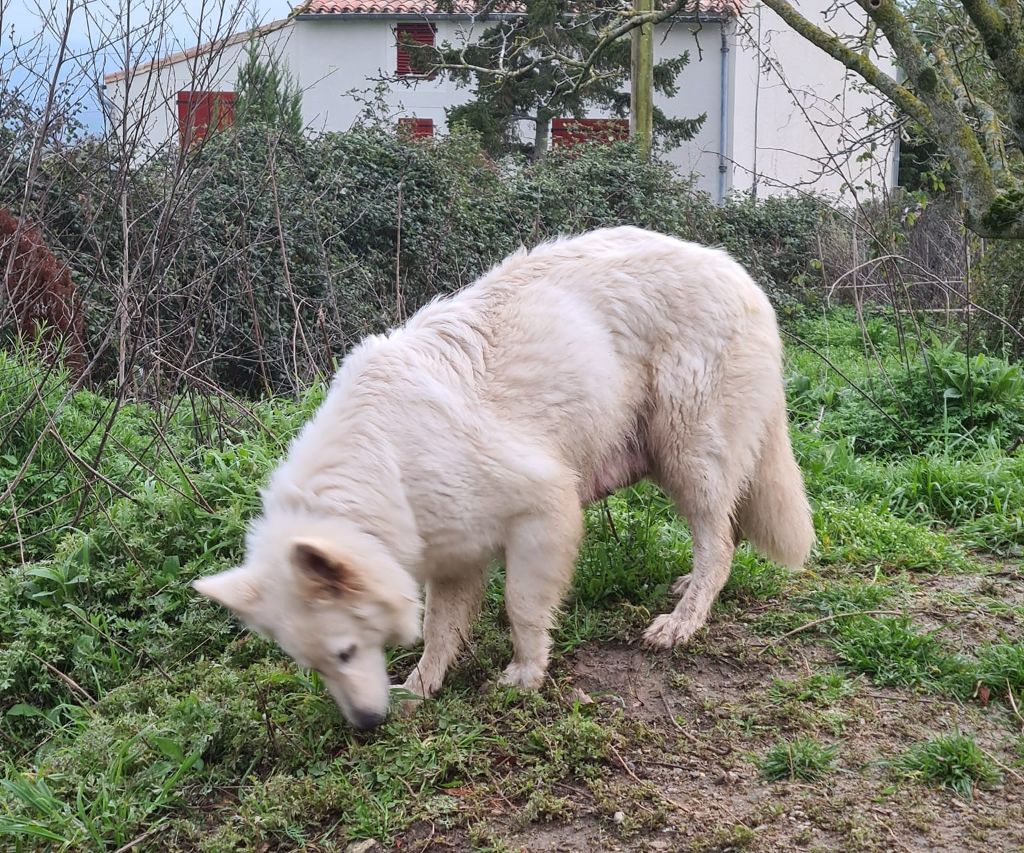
(367, 719)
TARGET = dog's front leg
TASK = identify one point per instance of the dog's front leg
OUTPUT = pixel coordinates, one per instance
(539, 559)
(450, 607)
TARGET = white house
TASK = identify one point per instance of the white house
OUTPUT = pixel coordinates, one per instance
(780, 114)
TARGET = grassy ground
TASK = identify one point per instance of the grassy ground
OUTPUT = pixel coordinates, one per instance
(872, 701)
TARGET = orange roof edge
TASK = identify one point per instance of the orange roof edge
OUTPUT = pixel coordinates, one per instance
(462, 7)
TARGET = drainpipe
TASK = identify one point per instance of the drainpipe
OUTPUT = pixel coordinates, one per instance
(723, 116)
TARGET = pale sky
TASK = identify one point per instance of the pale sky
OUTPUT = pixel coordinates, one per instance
(30, 34)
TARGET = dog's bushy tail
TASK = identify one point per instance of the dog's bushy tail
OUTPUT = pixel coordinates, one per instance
(774, 513)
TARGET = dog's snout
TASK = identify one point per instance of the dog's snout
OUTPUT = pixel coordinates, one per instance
(367, 719)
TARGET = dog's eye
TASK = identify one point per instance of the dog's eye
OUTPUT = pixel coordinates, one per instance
(345, 655)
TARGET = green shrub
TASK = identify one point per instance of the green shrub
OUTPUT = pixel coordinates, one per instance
(943, 397)
(271, 255)
(118, 583)
(775, 238)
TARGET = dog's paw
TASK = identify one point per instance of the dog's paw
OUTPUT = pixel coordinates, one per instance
(410, 695)
(405, 708)
(667, 631)
(526, 675)
(680, 585)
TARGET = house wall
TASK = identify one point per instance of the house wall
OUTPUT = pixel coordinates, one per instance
(797, 110)
(143, 104)
(775, 120)
(335, 62)
(337, 59)
(700, 85)
(334, 56)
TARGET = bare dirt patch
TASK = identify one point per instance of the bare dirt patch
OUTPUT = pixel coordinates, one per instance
(681, 773)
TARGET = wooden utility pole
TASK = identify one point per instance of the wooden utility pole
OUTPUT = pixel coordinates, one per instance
(641, 103)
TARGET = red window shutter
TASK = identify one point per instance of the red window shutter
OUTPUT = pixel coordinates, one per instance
(222, 109)
(201, 112)
(415, 33)
(188, 116)
(559, 132)
(416, 128)
(570, 131)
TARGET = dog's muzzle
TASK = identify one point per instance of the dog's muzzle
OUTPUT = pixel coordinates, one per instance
(367, 719)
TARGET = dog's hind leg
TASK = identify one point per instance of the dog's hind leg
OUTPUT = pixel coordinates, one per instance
(539, 557)
(450, 606)
(683, 581)
(712, 559)
(703, 468)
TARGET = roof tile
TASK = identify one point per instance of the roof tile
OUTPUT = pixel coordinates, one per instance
(459, 7)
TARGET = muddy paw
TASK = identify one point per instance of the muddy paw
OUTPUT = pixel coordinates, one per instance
(667, 631)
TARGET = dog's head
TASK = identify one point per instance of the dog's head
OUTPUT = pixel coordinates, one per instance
(332, 597)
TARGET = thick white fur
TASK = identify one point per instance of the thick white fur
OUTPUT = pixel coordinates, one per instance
(486, 422)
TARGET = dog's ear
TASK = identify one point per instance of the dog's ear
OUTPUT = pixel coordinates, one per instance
(321, 573)
(238, 589)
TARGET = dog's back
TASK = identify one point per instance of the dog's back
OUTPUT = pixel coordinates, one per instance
(603, 353)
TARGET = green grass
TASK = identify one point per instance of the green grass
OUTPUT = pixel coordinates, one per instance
(868, 537)
(894, 653)
(845, 597)
(1000, 667)
(822, 689)
(635, 548)
(801, 758)
(949, 761)
(157, 713)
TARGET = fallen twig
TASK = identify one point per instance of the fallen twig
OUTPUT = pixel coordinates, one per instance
(1013, 703)
(636, 778)
(135, 842)
(67, 679)
(778, 640)
(688, 735)
(1005, 767)
(625, 766)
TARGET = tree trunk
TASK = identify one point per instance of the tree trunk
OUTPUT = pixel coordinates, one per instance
(641, 102)
(541, 135)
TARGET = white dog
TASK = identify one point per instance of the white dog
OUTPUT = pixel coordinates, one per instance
(483, 426)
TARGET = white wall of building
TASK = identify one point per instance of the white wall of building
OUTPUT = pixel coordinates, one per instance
(787, 105)
(799, 115)
(143, 102)
(338, 57)
(700, 85)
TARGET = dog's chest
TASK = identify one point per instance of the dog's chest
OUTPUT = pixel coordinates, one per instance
(461, 545)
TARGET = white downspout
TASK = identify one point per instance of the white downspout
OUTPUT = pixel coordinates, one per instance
(723, 116)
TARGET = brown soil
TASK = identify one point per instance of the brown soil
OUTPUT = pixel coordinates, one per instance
(682, 776)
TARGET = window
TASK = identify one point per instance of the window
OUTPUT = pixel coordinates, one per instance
(201, 112)
(569, 131)
(416, 128)
(416, 34)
